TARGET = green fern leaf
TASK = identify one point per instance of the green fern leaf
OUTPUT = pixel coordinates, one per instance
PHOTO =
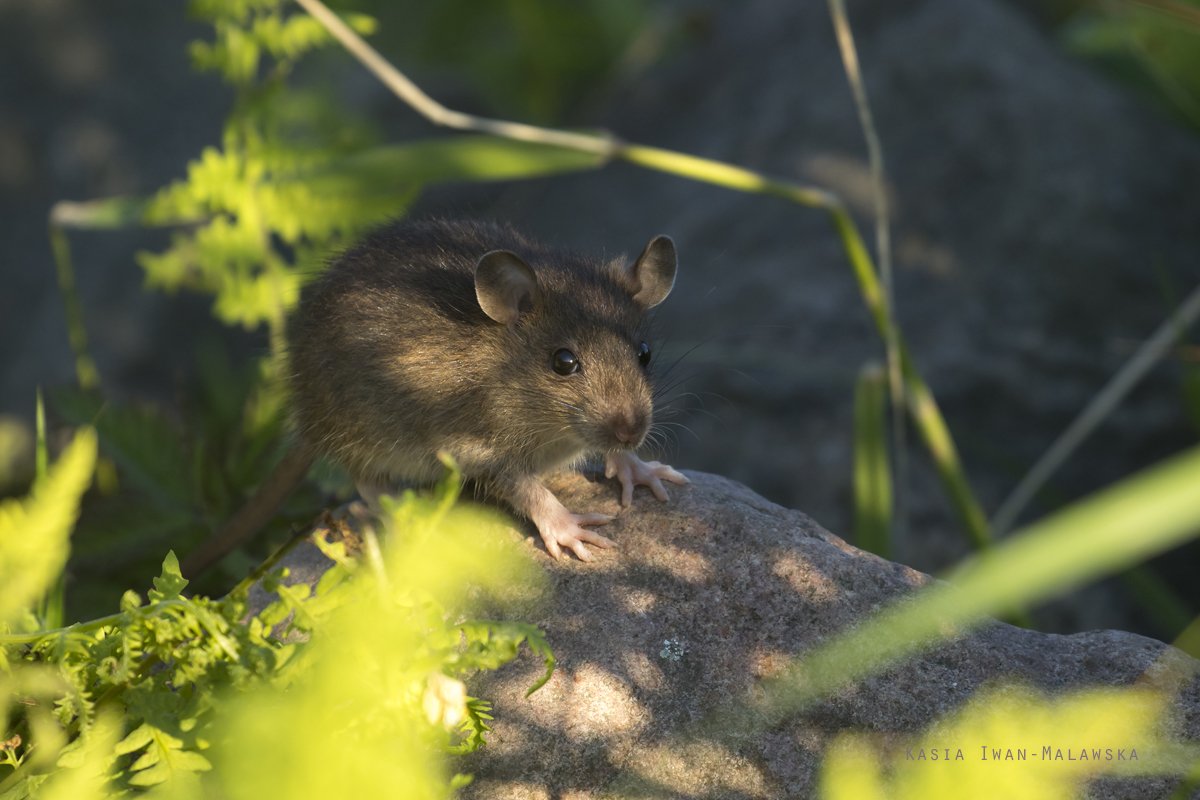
(168, 585)
(163, 758)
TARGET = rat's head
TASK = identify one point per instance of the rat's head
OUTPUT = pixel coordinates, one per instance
(583, 355)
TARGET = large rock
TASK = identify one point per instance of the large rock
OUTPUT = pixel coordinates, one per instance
(706, 595)
(1038, 211)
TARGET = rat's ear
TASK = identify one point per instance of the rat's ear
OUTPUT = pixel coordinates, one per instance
(653, 274)
(505, 286)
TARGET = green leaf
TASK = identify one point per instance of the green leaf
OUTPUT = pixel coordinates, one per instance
(291, 598)
(167, 749)
(136, 740)
(301, 33)
(152, 776)
(130, 601)
(170, 583)
(151, 700)
(164, 757)
(25, 787)
(252, 300)
(35, 532)
(473, 727)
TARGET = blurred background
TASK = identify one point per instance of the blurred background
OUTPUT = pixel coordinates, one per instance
(1043, 164)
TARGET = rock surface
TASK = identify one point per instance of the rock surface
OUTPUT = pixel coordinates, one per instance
(738, 587)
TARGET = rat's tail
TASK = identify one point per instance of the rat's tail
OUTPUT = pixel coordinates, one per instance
(252, 516)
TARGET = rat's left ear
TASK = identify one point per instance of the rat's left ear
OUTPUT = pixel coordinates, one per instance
(653, 274)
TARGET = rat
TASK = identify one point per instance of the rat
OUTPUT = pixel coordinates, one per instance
(470, 338)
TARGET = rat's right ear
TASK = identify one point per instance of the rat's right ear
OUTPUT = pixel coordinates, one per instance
(653, 274)
(505, 286)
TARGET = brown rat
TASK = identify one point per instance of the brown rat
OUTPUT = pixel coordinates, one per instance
(515, 358)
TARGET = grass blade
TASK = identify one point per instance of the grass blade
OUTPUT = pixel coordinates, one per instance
(872, 478)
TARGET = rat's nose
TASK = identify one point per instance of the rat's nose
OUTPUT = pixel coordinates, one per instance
(627, 428)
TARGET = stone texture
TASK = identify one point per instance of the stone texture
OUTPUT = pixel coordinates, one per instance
(741, 588)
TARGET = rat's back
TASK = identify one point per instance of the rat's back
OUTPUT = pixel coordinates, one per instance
(380, 330)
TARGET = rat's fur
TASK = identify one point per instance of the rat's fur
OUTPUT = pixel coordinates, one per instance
(393, 359)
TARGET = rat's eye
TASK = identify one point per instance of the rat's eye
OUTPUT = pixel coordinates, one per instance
(644, 354)
(565, 362)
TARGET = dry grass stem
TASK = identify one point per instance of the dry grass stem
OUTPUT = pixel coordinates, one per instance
(883, 248)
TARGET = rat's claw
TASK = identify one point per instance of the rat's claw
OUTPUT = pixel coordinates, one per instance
(632, 471)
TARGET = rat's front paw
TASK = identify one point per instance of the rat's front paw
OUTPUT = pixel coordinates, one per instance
(558, 526)
(564, 528)
(632, 471)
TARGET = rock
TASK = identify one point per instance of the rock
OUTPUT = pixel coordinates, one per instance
(1038, 209)
(707, 595)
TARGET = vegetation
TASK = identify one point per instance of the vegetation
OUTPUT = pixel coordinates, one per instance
(215, 703)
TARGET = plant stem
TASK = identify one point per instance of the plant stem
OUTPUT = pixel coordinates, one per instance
(883, 249)
(266, 566)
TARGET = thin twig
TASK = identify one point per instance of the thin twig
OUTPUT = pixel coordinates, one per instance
(410, 93)
(262, 569)
(605, 144)
(250, 519)
(883, 247)
(1098, 410)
